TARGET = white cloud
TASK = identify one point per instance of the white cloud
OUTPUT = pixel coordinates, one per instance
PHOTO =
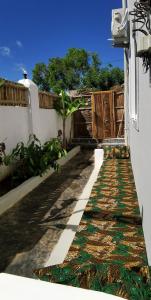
(20, 67)
(19, 44)
(5, 51)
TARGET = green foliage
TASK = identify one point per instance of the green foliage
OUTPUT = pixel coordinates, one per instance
(41, 76)
(65, 107)
(1, 82)
(57, 74)
(2, 152)
(34, 159)
(78, 69)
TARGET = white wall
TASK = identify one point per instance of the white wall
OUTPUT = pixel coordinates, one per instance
(139, 136)
(50, 123)
(68, 126)
(13, 125)
(17, 123)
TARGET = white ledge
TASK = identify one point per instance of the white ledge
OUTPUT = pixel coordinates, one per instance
(61, 249)
(21, 288)
(15, 195)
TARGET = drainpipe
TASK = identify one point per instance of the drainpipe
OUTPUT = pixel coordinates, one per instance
(124, 5)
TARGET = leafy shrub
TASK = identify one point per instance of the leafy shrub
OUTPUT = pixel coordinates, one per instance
(35, 158)
(2, 152)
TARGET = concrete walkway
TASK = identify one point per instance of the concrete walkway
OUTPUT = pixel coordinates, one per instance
(30, 230)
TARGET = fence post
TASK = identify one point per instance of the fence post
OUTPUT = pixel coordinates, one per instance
(33, 106)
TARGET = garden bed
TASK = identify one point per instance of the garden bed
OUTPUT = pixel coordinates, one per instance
(9, 195)
(6, 185)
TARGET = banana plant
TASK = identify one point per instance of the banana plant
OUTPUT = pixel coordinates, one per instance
(65, 106)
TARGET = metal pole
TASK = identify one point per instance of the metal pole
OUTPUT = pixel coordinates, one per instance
(124, 4)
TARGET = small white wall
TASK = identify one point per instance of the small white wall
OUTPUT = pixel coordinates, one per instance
(68, 126)
(48, 124)
(13, 125)
(17, 123)
(139, 137)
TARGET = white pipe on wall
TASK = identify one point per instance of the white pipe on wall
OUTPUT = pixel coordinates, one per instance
(124, 4)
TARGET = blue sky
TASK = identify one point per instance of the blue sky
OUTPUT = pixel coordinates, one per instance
(33, 31)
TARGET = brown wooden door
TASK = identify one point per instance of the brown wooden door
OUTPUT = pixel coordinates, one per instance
(102, 115)
(108, 114)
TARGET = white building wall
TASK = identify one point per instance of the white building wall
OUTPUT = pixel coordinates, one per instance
(139, 135)
(48, 124)
(13, 125)
(17, 123)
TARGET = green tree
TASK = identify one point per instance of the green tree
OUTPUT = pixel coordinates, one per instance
(65, 107)
(110, 76)
(117, 76)
(63, 73)
(91, 78)
(41, 76)
(78, 69)
(57, 74)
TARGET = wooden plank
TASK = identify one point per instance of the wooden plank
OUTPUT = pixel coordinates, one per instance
(111, 114)
(100, 116)
(114, 123)
(93, 117)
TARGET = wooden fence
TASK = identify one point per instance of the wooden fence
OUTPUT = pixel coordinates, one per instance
(46, 100)
(13, 94)
(108, 114)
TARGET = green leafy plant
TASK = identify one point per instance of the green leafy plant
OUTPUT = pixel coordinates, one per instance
(2, 152)
(65, 107)
(1, 82)
(34, 158)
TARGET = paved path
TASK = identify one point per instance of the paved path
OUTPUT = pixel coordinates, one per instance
(30, 230)
(108, 253)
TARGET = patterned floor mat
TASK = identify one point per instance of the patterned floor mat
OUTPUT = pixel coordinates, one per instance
(108, 252)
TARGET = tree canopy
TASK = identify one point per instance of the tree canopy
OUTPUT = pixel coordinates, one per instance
(78, 69)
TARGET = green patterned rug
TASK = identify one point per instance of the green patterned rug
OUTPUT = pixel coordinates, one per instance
(108, 253)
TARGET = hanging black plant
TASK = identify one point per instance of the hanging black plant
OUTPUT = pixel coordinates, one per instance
(142, 16)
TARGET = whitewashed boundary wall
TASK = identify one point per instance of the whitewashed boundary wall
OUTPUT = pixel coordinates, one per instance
(18, 122)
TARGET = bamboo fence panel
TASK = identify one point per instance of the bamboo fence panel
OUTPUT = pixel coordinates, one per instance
(12, 94)
(46, 100)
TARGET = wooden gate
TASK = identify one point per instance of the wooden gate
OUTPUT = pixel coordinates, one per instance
(82, 120)
(108, 114)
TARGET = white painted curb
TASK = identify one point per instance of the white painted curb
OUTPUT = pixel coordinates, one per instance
(15, 195)
(61, 249)
(21, 288)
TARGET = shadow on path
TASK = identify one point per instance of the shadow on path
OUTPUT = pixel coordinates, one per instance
(22, 226)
